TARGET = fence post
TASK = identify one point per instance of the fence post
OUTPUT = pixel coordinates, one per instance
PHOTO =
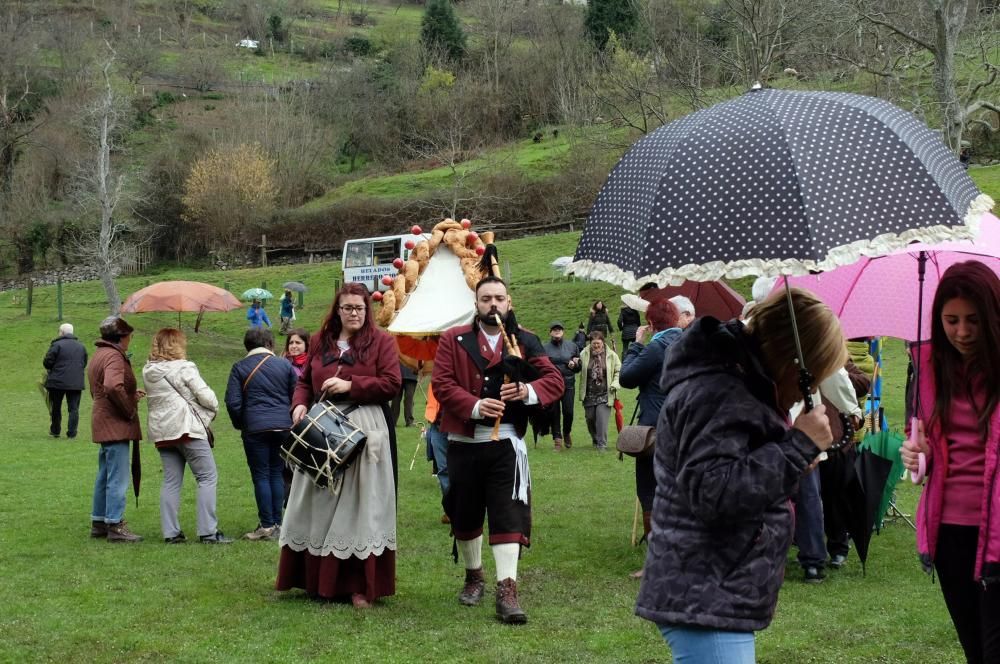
(263, 251)
(31, 286)
(59, 315)
(301, 299)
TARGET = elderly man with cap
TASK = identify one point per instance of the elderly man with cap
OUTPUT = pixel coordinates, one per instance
(114, 423)
(565, 355)
(65, 361)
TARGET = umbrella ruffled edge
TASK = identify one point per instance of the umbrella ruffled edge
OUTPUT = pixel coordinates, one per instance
(842, 255)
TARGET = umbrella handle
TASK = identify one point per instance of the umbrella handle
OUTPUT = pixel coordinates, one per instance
(921, 472)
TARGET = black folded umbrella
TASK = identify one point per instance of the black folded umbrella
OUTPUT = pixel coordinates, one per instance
(863, 498)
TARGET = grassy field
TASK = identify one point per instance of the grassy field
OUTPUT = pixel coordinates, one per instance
(65, 596)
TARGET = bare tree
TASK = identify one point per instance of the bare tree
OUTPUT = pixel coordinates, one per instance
(101, 190)
(763, 32)
(941, 28)
(494, 23)
(628, 90)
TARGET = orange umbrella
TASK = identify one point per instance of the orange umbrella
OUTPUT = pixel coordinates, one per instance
(180, 296)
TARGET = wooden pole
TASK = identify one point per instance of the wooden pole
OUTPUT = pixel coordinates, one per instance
(301, 299)
(31, 291)
(59, 299)
(263, 251)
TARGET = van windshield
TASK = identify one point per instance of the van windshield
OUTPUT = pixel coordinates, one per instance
(359, 254)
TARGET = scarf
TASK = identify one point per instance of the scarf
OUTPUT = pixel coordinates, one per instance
(299, 360)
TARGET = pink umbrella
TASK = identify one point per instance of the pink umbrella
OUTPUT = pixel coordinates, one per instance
(710, 298)
(879, 296)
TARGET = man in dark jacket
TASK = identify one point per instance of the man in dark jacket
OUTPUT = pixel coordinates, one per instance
(565, 355)
(65, 361)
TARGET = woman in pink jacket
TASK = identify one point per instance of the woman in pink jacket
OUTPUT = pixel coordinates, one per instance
(958, 520)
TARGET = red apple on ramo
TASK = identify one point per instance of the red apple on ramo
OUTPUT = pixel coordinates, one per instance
(480, 250)
(387, 280)
(409, 244)
(415, 230)
(466, 223)
(398, 263)
(377, 296)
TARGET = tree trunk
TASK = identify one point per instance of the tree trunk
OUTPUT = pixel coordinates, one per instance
(949, 18)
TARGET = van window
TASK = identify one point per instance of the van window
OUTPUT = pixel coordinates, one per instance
(359, 254)
(385, 251)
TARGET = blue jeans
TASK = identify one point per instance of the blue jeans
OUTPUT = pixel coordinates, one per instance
(437, 448)
(690, 645)
(111, 483)
(263, 450)
(809, 533)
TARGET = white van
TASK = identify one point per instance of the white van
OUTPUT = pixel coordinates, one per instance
(367, 260)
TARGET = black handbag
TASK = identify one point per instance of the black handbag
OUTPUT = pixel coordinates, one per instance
(324, 444)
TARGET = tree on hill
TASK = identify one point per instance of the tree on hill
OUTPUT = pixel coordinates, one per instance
(229, 192)
(607, 16)
(440, 29)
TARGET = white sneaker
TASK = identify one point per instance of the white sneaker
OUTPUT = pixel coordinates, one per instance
(261, 533)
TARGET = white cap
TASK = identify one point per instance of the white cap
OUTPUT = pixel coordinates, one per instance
(633, 301)
(65, 329)
(684, 305)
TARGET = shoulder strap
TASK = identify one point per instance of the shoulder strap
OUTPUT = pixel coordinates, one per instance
(250, 377)
(189, 404)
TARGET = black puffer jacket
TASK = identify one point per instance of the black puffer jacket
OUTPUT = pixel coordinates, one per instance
(66, 359)
(628, 322)
(726, 463)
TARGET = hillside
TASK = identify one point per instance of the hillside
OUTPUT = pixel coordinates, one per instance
(363, 128)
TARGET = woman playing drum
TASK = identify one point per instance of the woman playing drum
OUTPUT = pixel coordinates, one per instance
(343, 545)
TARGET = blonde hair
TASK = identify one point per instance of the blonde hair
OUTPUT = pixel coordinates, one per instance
(168, 344)
(823, 347)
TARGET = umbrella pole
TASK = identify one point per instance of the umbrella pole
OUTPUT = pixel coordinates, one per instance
(805, 379)
(921, 272)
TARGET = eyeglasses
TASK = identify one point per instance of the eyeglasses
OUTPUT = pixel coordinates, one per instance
(352, 309)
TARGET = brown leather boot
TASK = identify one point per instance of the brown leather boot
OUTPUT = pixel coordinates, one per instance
(472, 591)
(119, 532)
(558, 443)
(567, 441)
(508, 610)
(98, 529)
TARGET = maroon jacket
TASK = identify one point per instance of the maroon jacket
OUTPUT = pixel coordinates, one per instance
(115, 416)
(458, 375)
(374, 381)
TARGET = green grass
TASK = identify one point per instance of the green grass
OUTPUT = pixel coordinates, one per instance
(65, 596)
(988, 179)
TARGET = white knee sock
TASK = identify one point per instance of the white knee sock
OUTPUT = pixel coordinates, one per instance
(471, 552)
(505, 556)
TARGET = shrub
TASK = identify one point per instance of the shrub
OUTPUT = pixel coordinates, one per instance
(359, 46)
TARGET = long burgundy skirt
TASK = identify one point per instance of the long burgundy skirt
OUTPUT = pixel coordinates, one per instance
(330, 577)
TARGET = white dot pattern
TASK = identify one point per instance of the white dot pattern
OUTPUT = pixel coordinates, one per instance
(773, 181)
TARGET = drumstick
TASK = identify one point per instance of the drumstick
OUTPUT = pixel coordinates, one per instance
(513, 350)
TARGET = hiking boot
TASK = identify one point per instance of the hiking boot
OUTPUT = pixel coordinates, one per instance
(261, 533)
(119, 532)
(445, 519)
(472, 591)
(508, 610)
(567, 441)
(558, 443)
(98, 529)
(179, 538)
(217, 538)
(814, 575)
(838, 561)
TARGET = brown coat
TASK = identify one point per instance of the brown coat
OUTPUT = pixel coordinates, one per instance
(115, 416)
